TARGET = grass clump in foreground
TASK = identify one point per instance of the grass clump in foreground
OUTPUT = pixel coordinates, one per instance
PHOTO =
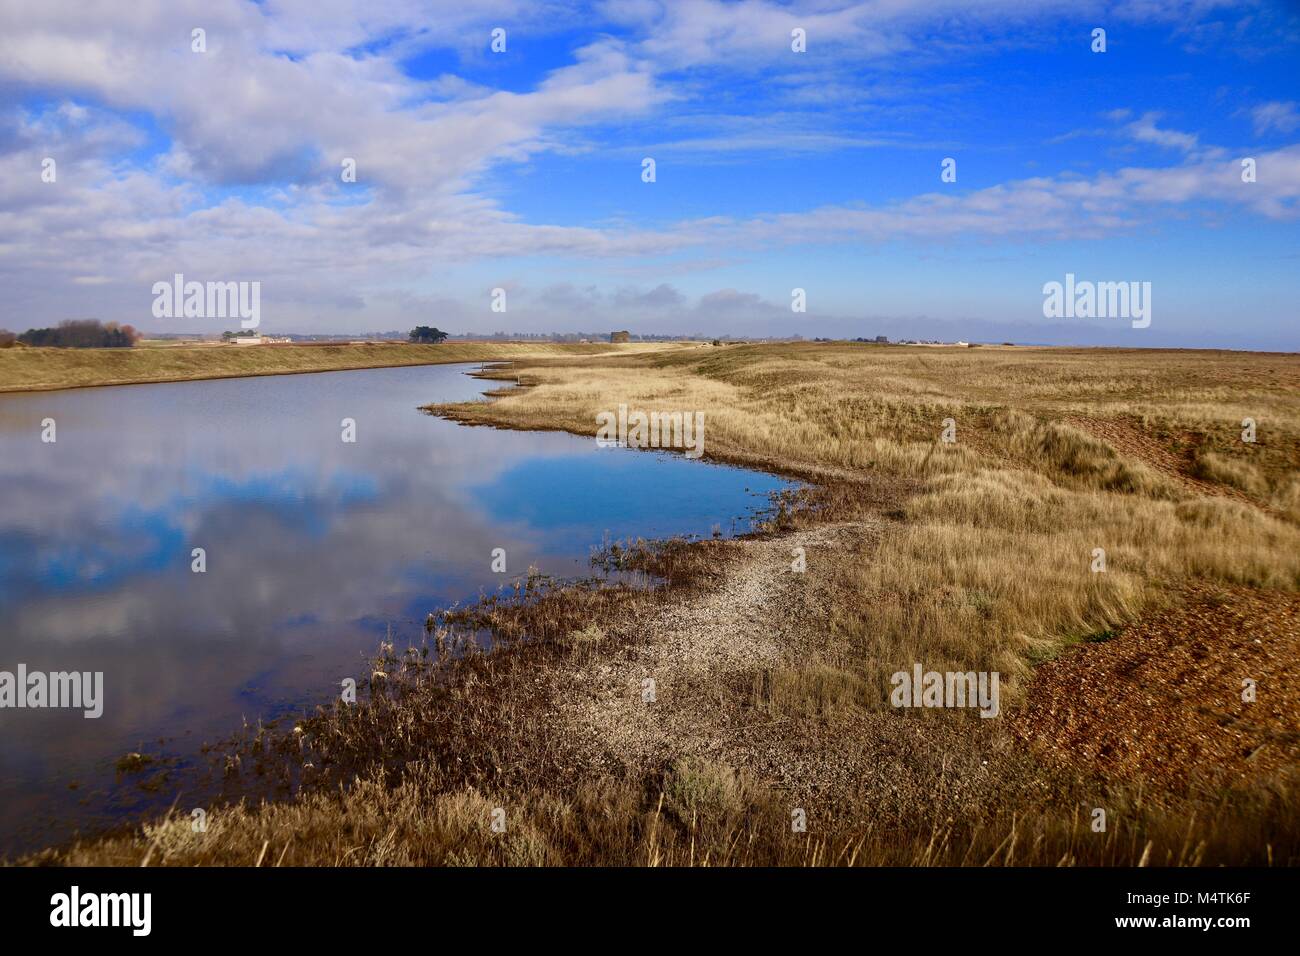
(973, 556)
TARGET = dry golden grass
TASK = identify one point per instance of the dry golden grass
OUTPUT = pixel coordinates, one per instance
(990, 569)
(696, 814)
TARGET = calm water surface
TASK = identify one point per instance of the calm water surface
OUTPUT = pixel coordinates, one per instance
(315, 549)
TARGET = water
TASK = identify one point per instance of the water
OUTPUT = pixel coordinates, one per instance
(315, 548)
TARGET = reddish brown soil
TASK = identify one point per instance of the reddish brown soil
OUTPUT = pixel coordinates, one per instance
(1130, 440)
(1161, 702)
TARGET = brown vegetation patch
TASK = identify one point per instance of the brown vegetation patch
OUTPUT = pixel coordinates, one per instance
(1131, 440)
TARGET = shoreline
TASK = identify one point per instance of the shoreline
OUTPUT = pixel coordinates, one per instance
(215, 362)
(213, 377)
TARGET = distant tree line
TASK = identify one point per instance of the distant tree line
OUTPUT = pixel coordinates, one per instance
(427, 334)
(80, 334)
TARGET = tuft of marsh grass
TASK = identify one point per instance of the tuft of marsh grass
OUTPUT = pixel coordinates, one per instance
(697, 813)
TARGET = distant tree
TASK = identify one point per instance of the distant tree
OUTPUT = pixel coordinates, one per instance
(128, 330)
(82, 334)
(427, 335)
(7, 338)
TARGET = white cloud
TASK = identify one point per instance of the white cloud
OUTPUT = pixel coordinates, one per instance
(289, 88)
(1144, 130)
(1284, 117)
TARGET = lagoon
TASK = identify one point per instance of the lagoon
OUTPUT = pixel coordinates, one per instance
(314, 549)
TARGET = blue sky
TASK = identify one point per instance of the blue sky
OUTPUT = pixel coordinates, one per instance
(775, 170)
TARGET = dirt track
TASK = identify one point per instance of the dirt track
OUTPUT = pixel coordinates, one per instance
(703, 651)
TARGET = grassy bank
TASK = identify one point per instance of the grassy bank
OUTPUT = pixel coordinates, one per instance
(1122, 687)
(1057, 452)
(45, 369)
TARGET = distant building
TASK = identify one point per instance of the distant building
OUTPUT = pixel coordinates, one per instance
(620, 336)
